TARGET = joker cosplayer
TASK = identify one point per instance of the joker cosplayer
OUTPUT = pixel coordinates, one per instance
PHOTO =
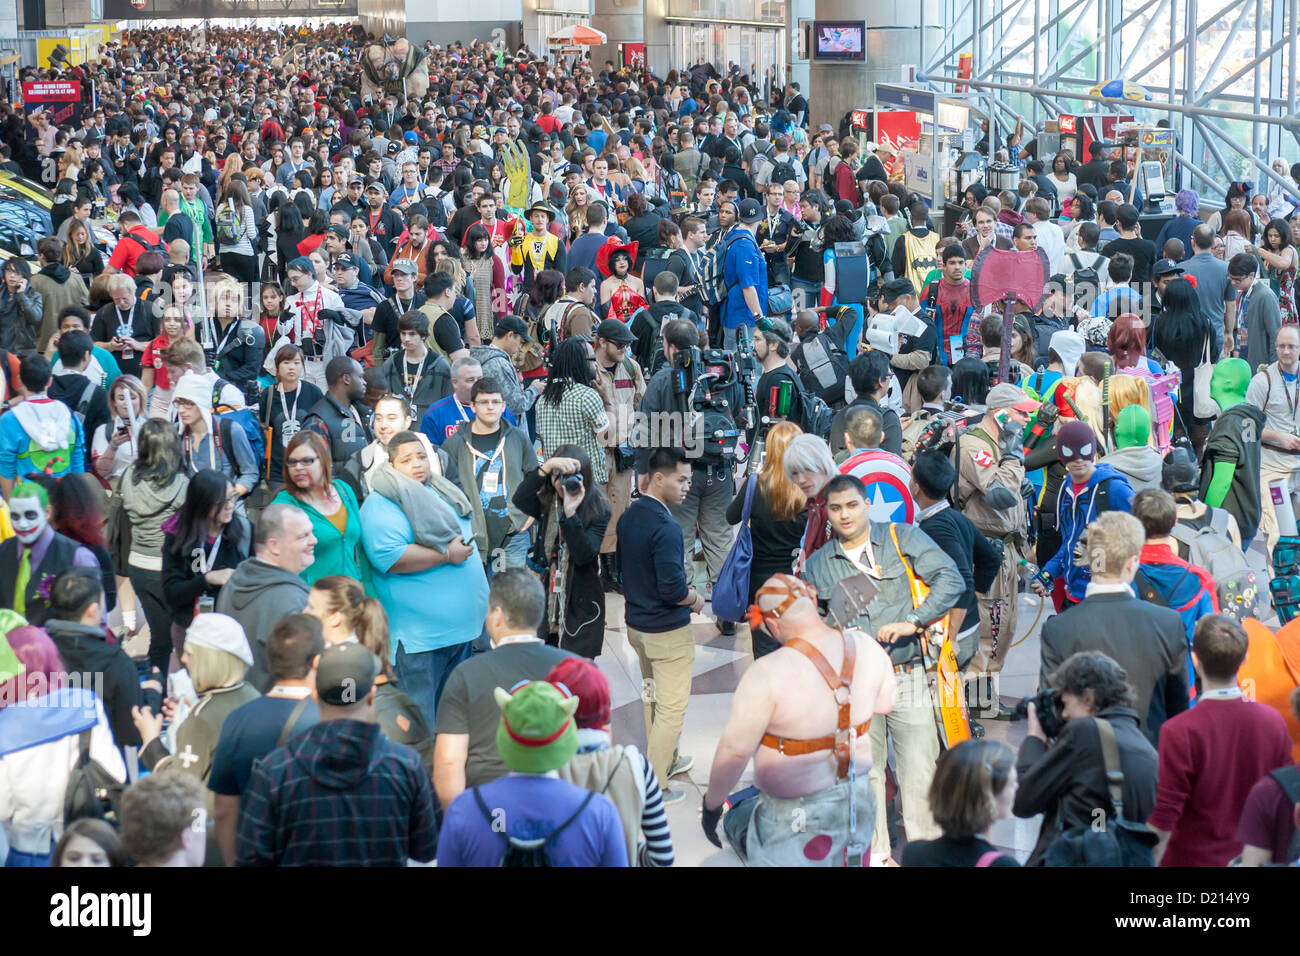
(36, 554)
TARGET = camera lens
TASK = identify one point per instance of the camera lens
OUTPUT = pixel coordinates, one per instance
(572, 484)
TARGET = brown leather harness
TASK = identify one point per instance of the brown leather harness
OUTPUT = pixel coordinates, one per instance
(841, 685)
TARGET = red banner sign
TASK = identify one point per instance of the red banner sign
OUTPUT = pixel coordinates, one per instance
(60, 98)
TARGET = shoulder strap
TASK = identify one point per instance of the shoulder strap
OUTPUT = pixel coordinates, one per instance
(988, 859)
(749, 500)
(83, 748)
(1288, 778)
(1114, 772)
(87, 394)
(291, 722)
(591, 794)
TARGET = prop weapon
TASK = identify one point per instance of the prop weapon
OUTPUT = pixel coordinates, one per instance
(1005, 277)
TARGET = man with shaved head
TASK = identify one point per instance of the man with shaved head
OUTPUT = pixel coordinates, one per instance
(802, 714)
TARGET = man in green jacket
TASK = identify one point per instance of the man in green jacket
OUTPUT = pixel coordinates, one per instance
(882, 554)
(488, 461)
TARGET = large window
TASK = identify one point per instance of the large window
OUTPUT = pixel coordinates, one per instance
(771, 11)
(758, 52)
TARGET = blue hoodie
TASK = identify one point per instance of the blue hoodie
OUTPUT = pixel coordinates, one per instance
(1182, 587)
(1073, 515)
(41, 433)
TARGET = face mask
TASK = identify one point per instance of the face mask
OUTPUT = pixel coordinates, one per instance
(28, 518)
(1082, 453)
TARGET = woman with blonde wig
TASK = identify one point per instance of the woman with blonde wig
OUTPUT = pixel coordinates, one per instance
(777, 519)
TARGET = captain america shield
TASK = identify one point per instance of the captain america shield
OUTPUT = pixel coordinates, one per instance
(885, 477)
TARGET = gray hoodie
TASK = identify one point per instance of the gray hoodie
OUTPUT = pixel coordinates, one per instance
(1141, 464)
(257, 595)
(147, 507)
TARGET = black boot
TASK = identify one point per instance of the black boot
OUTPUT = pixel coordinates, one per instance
(609, 576)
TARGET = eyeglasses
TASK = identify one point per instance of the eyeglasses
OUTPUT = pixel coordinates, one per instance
(301, 462)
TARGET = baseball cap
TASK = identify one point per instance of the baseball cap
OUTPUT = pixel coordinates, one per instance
(1009, 396)
(339, 231)
(410, 136)
(356, 180)
(750, 211)
(394, 147)
(406, 266)
(512, 323)
(612, 330)
(377, 186)
(345, 673)
(896, 289)
(346, 260)
(826, 128)
(1166, 267)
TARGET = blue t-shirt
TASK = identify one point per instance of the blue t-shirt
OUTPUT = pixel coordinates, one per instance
(444, 417)
(532, 808)
(744, 266)
(596, 140)
(248, 735)
(430, 609)
(1125, 299)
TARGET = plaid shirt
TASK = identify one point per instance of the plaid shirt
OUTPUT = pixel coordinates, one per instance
(338, 794)
(575, 421)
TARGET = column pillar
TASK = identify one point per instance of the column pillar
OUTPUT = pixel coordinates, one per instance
(622, 21)
(892, 41)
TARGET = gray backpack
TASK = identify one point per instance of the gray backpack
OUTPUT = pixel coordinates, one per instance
(1208, 546)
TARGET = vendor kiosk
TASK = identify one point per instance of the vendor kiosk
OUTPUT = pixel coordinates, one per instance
(907, 117)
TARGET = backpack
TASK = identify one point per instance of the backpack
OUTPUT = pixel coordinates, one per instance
(783, 173)
(92, 793)
(83, 403)
(815, 416)
(530, 853)
(1288, 778)
(1082, 283)
(157, 247)
(829, 187)
(228, 224)
(1209, 547)
(823, 367)
(1120, 842)
(223, 415)
(712, 263)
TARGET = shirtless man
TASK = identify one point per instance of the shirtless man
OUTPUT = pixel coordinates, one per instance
(808, 765)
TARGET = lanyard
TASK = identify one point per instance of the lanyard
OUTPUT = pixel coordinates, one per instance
(208, 558)
(129, 321)
(773, 224)
(212, 449)
(221, 346)
(413, 381)
(494, 456)
(1291, 397)
(290, 414)
(463, 416)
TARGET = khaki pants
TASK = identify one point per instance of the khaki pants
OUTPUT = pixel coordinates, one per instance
(912, 726)
(1268, 517)
(666, 661)
(619, 491)
(998, 616)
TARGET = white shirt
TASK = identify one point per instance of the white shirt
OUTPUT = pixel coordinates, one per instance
(1052, 241)
(1095, 588)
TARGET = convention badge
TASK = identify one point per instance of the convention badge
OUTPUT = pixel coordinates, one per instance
(288, 430)
(491, 482)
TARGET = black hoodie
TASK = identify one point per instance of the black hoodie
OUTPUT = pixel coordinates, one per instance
(70, 388)
(88, 650)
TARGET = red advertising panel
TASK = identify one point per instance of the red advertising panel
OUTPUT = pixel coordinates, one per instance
(901, 129)
(60, 98)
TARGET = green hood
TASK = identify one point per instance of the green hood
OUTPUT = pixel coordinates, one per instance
(1229, 382)
(1132, 427)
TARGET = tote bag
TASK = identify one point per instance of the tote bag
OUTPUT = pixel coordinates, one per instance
(731, 593)
(1203, 406)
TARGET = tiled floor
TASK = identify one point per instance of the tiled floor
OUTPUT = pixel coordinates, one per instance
(719, 662)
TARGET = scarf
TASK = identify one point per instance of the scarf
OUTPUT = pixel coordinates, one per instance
(433, 519)
(480, 270)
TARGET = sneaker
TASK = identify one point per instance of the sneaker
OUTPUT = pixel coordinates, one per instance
(727, 628)
(681, 765)
(672, 796)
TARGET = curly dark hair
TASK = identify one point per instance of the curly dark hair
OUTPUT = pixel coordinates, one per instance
(1096, 672)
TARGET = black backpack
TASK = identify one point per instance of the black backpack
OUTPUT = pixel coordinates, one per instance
(1121, 841)
(823, 367)
(783, 173)
(530, 853)
(1082, 284)
(92, 793)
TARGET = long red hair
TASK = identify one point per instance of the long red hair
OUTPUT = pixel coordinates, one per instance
(783, 496)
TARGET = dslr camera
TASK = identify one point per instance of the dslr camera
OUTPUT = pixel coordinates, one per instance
(1047, 703)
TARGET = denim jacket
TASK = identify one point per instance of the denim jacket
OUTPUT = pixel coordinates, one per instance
(893, 602)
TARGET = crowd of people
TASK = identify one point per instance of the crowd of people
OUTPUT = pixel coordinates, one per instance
(363, 404)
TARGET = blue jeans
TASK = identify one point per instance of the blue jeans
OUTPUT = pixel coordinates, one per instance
(421, 675)
(17, 858)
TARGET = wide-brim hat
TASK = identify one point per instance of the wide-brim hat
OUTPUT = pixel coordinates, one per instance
(540, 207)
(537, 732)
(610, 248)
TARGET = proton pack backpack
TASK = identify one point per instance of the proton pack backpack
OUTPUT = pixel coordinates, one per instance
(530, 853)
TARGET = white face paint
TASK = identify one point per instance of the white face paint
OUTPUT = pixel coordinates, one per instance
(28, 517)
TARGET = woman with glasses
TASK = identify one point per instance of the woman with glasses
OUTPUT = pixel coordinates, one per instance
(328, 502)
(283, 407)
(203, 543)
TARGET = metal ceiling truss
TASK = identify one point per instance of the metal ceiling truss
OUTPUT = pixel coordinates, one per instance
(1203, 66)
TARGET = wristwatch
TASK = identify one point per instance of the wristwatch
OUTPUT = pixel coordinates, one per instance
(915, 620)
